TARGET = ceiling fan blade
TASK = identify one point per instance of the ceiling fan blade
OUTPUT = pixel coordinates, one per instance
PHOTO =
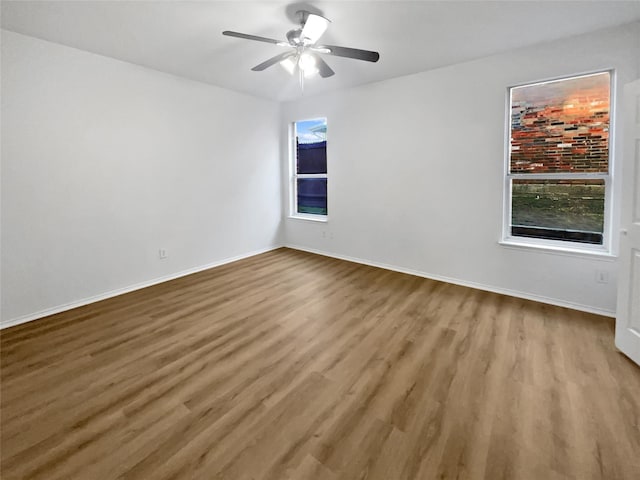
(314, 27)
(366, 55)
(229, 33)
(272, 61)
(323, 69)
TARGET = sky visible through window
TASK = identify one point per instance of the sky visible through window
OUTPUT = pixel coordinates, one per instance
(311, 131)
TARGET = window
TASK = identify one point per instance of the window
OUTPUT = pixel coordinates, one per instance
(309, 179)
(558, 170)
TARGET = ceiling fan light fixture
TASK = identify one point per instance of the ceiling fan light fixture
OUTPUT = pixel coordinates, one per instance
(311, 72)
(307, 62)
(289, 64)
(308, 65)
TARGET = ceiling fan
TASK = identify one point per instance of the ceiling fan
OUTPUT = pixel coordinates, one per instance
(303, 51)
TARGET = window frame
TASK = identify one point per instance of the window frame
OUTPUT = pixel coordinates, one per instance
(560, 245)
(294, 175)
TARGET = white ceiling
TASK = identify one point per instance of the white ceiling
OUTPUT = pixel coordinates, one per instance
(184, 37)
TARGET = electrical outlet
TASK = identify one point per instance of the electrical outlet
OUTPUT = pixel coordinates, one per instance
(602, 276)
(162, 253)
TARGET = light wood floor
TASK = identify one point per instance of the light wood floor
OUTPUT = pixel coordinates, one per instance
(291, 366)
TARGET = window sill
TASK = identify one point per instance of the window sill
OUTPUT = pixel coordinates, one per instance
(310, 218)
(570, 251)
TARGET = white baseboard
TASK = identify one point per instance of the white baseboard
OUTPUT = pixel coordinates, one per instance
(120, 291)
(464, 283)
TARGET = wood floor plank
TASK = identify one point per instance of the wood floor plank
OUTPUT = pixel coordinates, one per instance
(294, 366)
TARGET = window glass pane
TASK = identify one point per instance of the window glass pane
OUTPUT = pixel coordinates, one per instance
(570, 210)
(311, 146)
(312, 195)
(312, 157)
(561, 126)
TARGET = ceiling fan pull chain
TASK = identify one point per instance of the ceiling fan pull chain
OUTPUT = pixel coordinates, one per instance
(301, 80)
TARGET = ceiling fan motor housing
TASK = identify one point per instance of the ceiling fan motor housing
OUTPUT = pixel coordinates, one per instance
(295, 37)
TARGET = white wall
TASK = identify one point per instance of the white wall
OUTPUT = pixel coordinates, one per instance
(416, 168)
(105, 162)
